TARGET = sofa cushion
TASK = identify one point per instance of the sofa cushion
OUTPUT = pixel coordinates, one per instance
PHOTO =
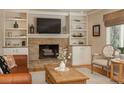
(17, 78)
(102, 62)
(10, 61)
(21, 69)
(1, 71)
(3, 65)
(21, 60)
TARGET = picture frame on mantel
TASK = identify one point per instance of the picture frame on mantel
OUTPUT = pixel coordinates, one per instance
(96, 30)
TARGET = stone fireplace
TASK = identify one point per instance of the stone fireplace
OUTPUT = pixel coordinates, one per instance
(35, 42)
(48, 51)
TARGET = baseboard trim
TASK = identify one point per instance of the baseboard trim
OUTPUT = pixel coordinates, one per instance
(83, 65)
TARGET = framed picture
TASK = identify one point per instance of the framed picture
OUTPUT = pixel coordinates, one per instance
(96, 30)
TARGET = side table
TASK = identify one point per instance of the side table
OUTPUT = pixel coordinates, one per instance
(117, 70)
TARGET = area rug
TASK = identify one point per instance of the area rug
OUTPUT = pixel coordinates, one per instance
(95, 78)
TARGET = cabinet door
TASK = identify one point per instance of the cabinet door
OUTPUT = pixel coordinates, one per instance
(81, 55)
(85, 55)
(75, 55)
(8, 51)
(1, 51)
(22, 51)
(15, 51)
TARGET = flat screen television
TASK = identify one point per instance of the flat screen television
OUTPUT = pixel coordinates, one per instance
(48, 26)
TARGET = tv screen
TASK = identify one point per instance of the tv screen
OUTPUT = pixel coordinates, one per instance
(48, 26)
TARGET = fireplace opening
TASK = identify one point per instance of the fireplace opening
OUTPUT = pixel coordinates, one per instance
(48, 51)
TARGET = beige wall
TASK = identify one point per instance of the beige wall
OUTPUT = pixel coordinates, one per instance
(1, 32)
(93, 19)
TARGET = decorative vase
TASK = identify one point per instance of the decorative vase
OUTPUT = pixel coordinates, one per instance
(62, 66)
(15, 25)
(23, 43)
(31, 28)
(122, 56)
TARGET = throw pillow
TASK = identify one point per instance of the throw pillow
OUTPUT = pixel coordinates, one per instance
(10, 61)
(1, 72)
(3, 65)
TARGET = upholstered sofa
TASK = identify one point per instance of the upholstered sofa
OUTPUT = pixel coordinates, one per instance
(19, 74)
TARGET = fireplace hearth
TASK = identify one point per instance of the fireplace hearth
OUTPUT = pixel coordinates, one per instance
(48, 51)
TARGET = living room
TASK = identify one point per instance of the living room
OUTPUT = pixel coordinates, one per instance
(57, 46)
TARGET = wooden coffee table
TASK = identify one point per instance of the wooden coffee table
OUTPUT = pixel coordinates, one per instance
(72, 76)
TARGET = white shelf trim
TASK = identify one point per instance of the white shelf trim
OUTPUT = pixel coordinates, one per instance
(16, 19)
(78, 37)
(16, 28)
(20, 37)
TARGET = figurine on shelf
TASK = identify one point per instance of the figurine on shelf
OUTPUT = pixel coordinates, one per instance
(31, 28)
(15, 25)
(80, 35)
(81, 42)
(23, 43)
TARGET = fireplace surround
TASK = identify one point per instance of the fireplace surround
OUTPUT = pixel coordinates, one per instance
(34, 61)
(35, 42)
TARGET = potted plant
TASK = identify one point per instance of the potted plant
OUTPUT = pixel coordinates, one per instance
(121, 52)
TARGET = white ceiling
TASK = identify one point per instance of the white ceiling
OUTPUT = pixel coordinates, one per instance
(68, 10)
(87, 11)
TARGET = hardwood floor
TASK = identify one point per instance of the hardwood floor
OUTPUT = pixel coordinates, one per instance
(96, 69)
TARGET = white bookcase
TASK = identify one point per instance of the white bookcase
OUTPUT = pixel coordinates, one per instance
(78, 29)
(81, 51)
(15, 38)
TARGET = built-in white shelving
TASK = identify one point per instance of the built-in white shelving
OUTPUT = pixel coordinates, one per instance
(15, 38)
(78, 29)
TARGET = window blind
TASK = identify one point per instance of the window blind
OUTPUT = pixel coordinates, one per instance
(114, 18)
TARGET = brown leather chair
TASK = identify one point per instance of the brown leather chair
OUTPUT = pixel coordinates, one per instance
(19, 74)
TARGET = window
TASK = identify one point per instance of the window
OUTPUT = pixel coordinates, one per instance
(115, 35)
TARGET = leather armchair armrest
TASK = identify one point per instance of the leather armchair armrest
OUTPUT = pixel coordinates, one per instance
(18, 78)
